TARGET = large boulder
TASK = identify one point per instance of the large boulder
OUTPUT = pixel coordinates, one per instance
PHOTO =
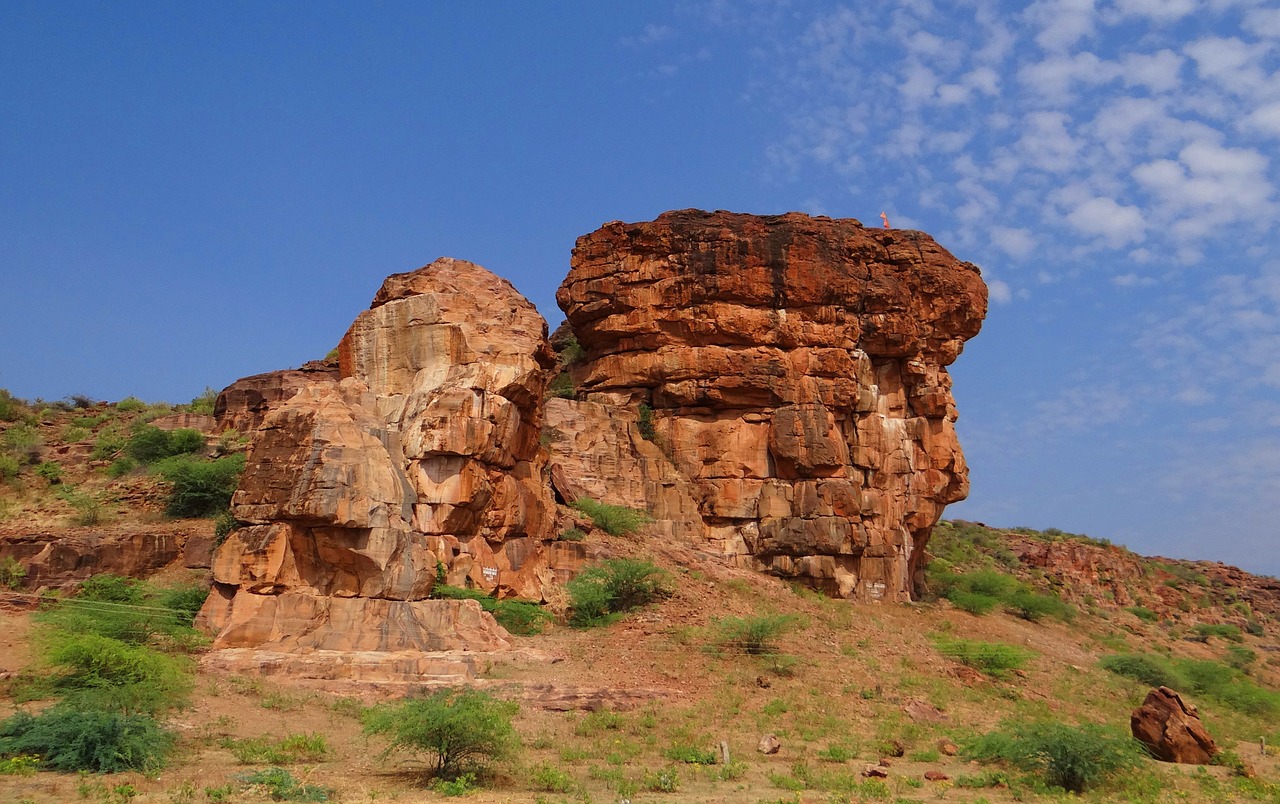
(793, 372)
(1171, 730)
(419, 456)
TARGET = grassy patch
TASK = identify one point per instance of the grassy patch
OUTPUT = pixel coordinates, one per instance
(1075, 758)
(615, 520)
(996, 659)
(615, 586)
(283, 751)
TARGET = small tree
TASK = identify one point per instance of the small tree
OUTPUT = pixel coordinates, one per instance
(462, 731)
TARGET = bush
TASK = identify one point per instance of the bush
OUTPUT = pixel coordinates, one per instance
(200, 488)
(149, 443)
(1224, 631)
(461, 731)
(1034, 607)
(1072, 757)
(50, 471)
(281, 786)
(645, 423)
(550, 779)
(184, 603)
(204, 403)
(266, 751)
(9, 467)
(572, 535)
(517, 616)
(11, 408)
(99, 672)
(1143, 613)
(993, 658)
(1148, 670)
(131, 404)
(121, 466)
(615, 586)
(98, 742)
(753, 635)
(22, 441)
(615, 520)
(691, 755)
(12, 573)
(109, 443)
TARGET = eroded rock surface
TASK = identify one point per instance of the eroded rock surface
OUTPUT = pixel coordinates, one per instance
(795, 370)
(1171, 729)
(421, 455)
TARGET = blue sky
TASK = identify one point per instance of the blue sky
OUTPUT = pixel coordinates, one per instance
(190, 194)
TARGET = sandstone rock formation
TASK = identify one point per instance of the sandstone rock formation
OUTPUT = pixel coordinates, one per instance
(1171, 729)
(420, 455)
(793, 369)
(770, 389)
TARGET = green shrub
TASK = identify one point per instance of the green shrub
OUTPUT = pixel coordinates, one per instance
(972, 602)
(10, 467)
(1034, 607)
(550, 779)
(109, 443)
(280, 785)
(12, 573)
(20, 765)
(616, 520)
(753, 635)
(131, 404)
(664, 780)
(572, 535)
(73, 434)
(50, 471)
(1143, 613)
(223, 526)
(517, 616)
(1150, 670)
(204, 403)
(612, 587)
(993, 658)
(112, 589)
(149, 443)
(121, 466)
(183, 603)
(103, 673)
(562, 386)
(691, 755)
(1224, 631)
(266, 751)
(22, 441)
(69, 740)
(645, 423)
(200, 488)
(1238, 656)
(11, 408)
(88, 507)
(454, 788)
(1072, 757)
(460, 731)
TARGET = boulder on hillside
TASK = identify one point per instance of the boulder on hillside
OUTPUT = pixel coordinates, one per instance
(1171, 729)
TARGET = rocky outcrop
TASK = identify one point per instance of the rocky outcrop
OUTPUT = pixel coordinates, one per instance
(70, 555)
(419, 457)
(1171, 730)
(792, 370)
(245, 403)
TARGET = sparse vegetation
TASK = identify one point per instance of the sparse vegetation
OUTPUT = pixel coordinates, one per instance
(614, 587)
(1075, 758)
(280, 785)
(69, 740)
(614, 520)
(996, 659)
(282, 751)
(517, 616)
(12, 573)
(459, 731)
(200, 488)
(753, 635)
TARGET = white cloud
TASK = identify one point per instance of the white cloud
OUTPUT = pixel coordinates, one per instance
(1158, 10)
(1046, 143)
(999, 291)
(1132, 281)
(1054, 77)
(1230, 62)
(1115, 223)
(1264, 120)
(1062, 22)
(1158, 72)
(1017, 243)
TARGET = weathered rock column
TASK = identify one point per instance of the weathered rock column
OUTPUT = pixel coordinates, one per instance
(795, 368)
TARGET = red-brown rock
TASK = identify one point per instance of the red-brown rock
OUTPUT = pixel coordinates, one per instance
(795, 367)
(245, 403)
(1171, 729)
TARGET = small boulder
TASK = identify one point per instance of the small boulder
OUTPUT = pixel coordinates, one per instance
(936, 776)
(1171, 729)
(949, 748)
(769, 744)
(875, 772)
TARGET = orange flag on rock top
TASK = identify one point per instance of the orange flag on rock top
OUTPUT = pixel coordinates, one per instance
(885, 218)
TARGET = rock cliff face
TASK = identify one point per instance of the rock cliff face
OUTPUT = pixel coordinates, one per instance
(793, 371)
(772, 389)
(420, 455)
